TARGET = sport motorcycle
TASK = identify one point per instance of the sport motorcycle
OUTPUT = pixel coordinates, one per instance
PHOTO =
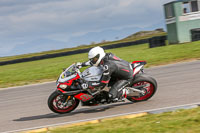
(69, 92)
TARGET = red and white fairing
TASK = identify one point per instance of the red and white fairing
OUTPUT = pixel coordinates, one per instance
(137, 66)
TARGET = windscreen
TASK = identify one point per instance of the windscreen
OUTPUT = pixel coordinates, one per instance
(69, 71)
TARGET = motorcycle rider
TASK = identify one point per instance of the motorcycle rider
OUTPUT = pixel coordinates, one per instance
(113, 68)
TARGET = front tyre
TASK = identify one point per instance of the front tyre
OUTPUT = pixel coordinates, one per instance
(149, 86)
(61, 104)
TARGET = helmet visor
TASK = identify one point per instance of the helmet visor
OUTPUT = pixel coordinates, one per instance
(94, 59)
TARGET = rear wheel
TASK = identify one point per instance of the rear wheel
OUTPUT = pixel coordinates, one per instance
(146, 84)
(61, 104)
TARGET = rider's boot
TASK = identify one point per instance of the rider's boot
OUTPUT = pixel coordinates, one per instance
(118, 91)
(121, 96)
(114, 99)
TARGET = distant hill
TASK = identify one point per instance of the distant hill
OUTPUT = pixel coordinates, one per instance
(142, 34)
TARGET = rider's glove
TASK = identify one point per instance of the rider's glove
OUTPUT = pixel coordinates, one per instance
(84, 86)
(79, 65)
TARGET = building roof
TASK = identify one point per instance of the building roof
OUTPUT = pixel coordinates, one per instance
(177, 1)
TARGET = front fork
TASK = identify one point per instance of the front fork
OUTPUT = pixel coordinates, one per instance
(67, 99)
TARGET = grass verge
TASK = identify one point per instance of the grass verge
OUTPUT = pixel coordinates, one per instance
(179, 121)
(49, 69)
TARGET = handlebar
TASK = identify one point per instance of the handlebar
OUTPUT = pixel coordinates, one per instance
(78, 71)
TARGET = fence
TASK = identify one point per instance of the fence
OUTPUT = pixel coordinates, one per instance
(157, 41)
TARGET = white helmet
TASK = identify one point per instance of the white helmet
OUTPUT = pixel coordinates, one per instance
(95, 55)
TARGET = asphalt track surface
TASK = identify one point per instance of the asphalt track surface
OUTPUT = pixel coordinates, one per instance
(26, 107)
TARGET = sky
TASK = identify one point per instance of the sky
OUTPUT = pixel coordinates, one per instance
(28, 26)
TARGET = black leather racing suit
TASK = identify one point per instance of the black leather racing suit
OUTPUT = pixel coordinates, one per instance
(117, 72)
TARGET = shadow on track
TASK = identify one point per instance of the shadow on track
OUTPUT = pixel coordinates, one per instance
(95, 109)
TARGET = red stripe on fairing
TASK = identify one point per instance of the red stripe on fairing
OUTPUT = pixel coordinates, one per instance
(61, 90)
(105, 82)
(69, 82)
(125, 70)
(83, 97)
(114, 57)
(138, 61)
(134, 72)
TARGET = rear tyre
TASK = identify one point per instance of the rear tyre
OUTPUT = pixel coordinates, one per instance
(61, 104)
(149, 89)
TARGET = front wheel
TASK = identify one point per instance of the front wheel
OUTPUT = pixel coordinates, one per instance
(148, 86)
(61, 104)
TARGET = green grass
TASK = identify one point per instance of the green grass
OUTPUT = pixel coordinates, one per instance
(180, 121)
(49, 69)
(160, 55)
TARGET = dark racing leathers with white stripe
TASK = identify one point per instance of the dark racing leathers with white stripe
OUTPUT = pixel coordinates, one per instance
(117, 73)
